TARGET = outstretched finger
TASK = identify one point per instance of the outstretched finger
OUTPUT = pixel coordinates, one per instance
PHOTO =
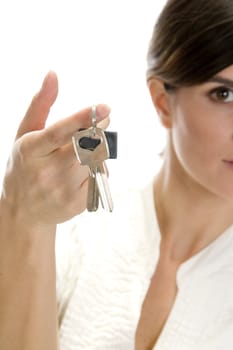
(59, 134)
(39, 108)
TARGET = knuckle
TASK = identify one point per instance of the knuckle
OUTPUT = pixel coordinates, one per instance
(23, 148)
(53, 137)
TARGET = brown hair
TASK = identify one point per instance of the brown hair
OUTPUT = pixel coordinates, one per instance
(192, 41)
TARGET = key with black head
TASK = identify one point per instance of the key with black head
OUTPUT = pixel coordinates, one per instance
(83, 140)
(91, 148)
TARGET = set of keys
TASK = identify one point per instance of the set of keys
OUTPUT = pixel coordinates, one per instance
(93, 146)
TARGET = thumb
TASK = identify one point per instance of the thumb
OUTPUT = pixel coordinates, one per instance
(38, 111)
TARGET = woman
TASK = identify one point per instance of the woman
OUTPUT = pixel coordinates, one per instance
(157, 272)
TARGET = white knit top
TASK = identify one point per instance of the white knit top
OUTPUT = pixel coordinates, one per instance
(104, 265)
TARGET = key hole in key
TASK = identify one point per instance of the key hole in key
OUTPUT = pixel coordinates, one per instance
(89, 143)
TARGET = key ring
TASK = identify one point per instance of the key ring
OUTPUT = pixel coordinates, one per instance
(93, 119)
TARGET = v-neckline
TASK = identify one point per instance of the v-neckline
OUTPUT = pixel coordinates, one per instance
(185, 267)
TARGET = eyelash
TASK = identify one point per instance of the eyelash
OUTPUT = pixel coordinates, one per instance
(221, 89)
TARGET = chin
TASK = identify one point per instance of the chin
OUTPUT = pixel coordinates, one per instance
(225, 193)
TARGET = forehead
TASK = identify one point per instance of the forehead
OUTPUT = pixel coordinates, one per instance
(224, 77)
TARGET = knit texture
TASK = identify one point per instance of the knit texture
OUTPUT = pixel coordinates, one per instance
(104, 265)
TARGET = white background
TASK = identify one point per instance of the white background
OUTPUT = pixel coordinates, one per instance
(98, 49)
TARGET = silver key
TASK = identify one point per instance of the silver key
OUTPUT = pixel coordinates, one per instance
(104, 191)
(93, 192)
(95, 160)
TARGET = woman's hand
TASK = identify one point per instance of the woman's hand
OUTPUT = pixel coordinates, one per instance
(44, 183)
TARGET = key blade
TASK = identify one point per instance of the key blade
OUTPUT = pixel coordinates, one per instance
(93, 193)
(104, 190)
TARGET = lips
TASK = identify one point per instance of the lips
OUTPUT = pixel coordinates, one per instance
(229, 163)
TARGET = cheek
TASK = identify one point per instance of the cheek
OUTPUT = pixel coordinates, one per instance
(197, 141)
(201, 138)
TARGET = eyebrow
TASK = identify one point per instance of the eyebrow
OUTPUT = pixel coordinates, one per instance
(221, 80)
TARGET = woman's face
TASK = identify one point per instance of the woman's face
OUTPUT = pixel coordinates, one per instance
(202, 132)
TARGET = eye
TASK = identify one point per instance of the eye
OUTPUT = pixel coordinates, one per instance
(222, 94)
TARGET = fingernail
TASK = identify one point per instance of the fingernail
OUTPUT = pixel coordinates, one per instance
(102, 110)
(50, 76)
(49, 88)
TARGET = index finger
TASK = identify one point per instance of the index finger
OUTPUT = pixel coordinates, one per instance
(60, 133)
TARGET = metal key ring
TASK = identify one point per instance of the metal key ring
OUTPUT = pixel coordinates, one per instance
(93, 119)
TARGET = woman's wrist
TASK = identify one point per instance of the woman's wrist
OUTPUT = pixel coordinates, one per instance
(14, 221)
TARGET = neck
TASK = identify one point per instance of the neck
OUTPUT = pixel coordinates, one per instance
(189, 216)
